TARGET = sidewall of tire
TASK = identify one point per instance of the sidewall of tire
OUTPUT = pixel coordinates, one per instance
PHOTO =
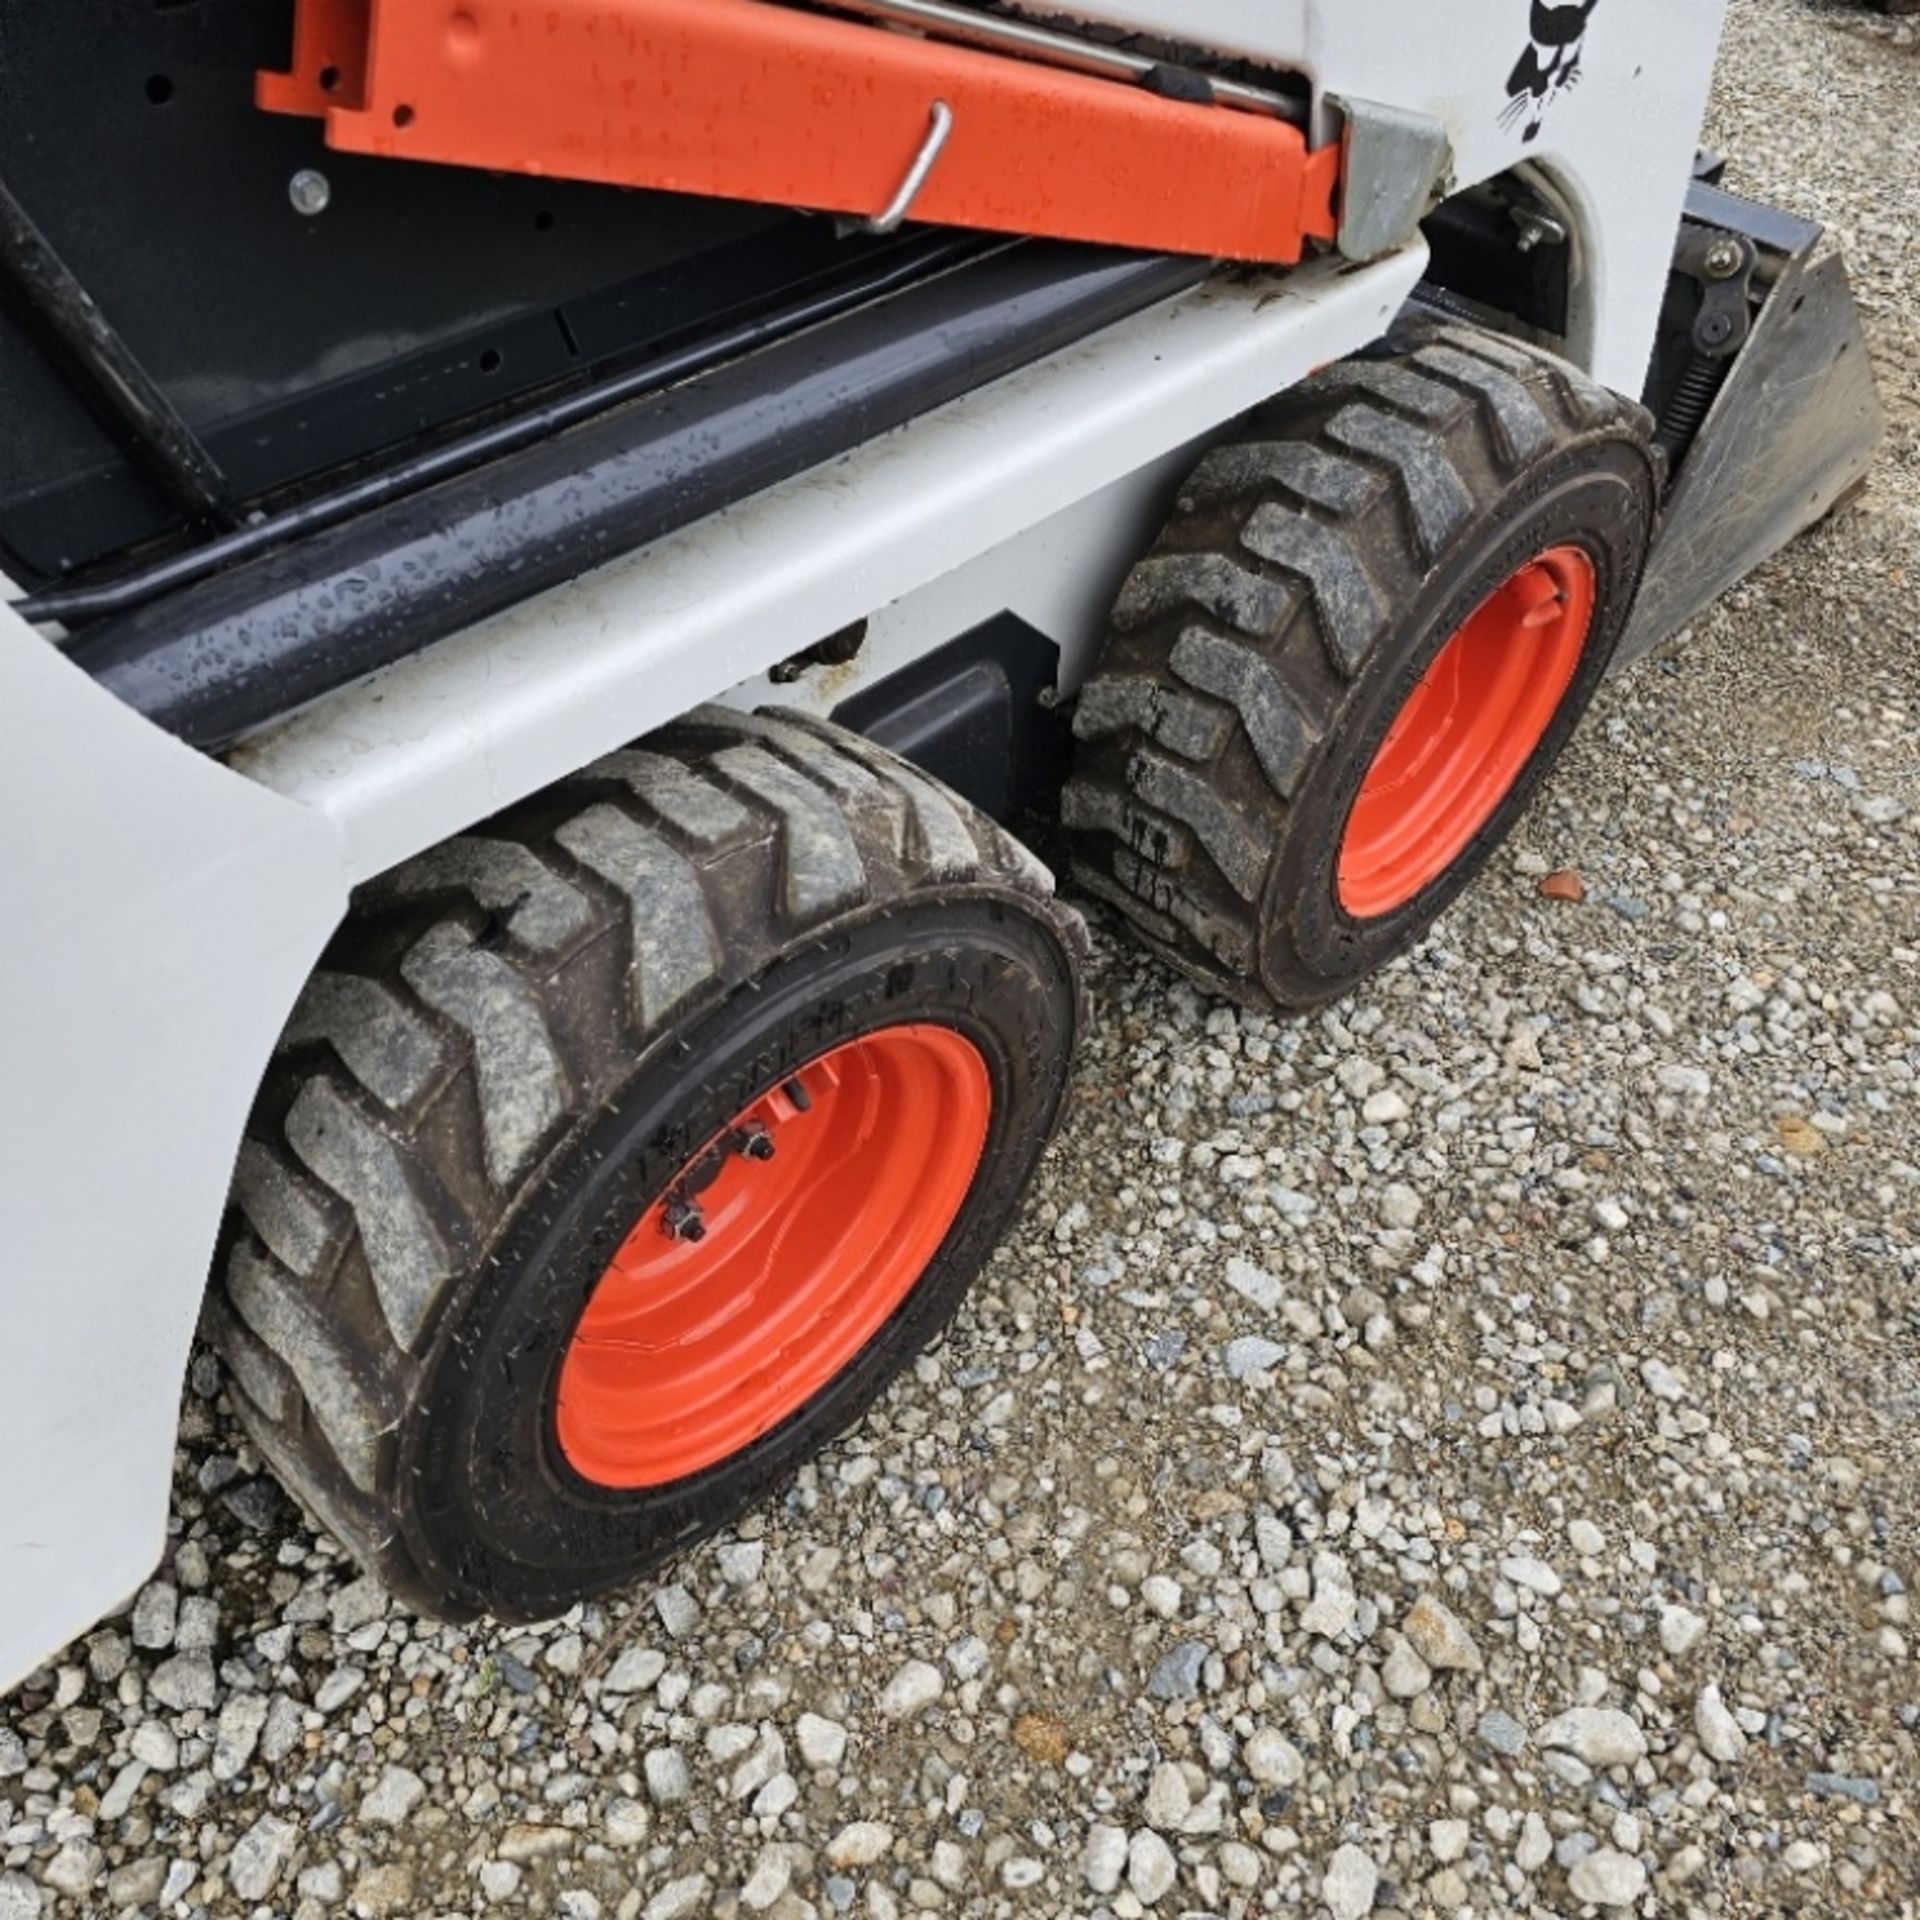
(499, 1518)
(1599, 499)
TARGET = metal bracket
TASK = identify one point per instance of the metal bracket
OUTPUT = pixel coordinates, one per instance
(1397, 166)
(918, 174)
(1721, 264)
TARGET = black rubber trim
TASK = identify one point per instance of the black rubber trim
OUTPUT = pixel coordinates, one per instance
(232, 654)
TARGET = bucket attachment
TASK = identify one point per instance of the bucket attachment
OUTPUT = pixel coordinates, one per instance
(1764, 390)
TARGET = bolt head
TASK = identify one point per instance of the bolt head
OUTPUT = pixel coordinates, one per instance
(310, 191)
(1723, 259)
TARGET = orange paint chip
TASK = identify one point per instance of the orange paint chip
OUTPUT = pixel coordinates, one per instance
(1565, 885)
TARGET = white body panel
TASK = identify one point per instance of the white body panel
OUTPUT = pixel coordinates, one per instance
(164, 909)
(162, 915)
(1617, 144)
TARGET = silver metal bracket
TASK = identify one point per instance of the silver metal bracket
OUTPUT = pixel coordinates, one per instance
(1397, 168)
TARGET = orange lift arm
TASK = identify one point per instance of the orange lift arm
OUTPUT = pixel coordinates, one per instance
(753, 100)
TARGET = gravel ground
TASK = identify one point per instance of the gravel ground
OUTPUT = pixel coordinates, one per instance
(1460, 1454)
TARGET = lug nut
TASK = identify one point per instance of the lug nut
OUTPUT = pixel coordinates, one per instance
(684, 1222)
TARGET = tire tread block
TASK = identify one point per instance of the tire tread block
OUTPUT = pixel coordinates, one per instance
(539, 908)
(522, 1086)
(675, 951)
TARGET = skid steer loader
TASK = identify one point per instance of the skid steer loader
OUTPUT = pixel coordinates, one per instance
(545, 546)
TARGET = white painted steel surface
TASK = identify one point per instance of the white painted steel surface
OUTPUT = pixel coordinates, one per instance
(162, 914)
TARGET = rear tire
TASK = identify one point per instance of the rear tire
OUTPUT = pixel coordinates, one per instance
(522, 1048)
(1312, 574)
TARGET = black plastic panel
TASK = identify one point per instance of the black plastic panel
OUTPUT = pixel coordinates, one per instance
(977, 714)
(295, 345)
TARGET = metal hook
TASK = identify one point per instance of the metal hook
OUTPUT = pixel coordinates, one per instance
(917, 176)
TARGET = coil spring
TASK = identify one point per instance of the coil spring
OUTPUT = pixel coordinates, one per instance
(1692, 400)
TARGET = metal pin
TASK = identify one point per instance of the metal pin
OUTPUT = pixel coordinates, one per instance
(918, 175)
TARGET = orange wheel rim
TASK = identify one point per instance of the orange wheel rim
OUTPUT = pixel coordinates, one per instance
(775, 1256)
(1467, 733)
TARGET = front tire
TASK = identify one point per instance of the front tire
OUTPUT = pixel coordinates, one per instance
(1313, 721)
(555, 1242)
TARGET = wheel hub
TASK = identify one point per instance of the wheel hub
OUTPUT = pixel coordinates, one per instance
(1467, 733)
(775, 1255)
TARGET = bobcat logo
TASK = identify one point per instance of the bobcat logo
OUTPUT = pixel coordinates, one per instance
(1550, 65)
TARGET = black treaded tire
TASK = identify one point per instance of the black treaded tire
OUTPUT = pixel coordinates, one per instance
(1312, 570)
(509, 1053)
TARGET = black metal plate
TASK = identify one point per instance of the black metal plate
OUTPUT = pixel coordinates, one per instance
(974, 714)
(295, 345)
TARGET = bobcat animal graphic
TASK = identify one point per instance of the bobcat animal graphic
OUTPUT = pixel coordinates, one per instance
(1550, 65)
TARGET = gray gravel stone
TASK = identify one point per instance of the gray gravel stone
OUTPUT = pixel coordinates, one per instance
(1176, 1675)
(771, 1876)
(1841, 1786)
(76, 1869)
(357, 1605)
(1151, 1868)
(627, 1822)
(679, 1611)
(636, 1670)
(1681, 1630)
(1272, 1759)
(1608, 1879)
(822, 1742)
(393, 1797)
(1349, 1884)
(680, 1898)
(669, 1778)
(1718, 1731)
(1104, 1858)
(1439, 1638)
(1250, 1354)
(1405, 1675)
(137, 1884)
(863, 1843)
(1601, 1736)
(1502, 1732)
(185, 1682)
(154, 1613)
(261, 1856)
(238, 1734)
(1535, 1846)
(156, 1746)
(913, 1688)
